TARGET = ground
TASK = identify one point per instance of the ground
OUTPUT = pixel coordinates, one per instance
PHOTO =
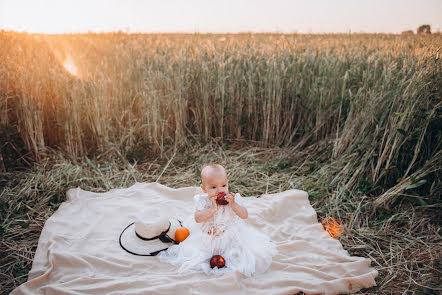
(403, 240)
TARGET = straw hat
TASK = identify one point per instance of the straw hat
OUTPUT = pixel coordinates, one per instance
(149, 234)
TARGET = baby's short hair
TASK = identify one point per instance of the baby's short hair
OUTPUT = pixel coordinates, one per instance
(215, 166)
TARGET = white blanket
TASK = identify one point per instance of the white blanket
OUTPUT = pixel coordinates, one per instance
(79, 253)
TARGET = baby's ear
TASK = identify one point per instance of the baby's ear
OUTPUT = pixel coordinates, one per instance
(202, 187)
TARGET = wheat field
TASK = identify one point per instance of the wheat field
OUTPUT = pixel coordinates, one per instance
(354, 119)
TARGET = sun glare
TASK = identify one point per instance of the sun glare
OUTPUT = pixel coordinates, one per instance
(69, 65)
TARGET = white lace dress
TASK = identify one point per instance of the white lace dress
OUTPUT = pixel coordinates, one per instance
(244, 248)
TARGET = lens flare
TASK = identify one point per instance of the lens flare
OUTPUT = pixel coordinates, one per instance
(69, 65)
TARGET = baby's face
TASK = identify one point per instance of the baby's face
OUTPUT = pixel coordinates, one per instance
(214, 183)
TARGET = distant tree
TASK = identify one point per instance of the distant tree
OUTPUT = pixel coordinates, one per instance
(424, 29)
(409, 32)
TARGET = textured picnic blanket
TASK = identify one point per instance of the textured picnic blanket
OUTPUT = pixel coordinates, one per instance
(79, 253)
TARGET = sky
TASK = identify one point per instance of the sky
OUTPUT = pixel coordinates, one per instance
(226, 16)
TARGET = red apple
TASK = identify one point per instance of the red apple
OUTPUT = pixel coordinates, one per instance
(217, 260)
(220, 200)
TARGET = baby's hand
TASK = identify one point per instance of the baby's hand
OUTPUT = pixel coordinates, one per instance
(230, 198)
(213, 200)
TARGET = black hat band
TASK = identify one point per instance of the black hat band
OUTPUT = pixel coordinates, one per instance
(163, 237)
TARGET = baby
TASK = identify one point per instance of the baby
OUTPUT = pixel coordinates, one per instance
(220, 230)
(213, 181)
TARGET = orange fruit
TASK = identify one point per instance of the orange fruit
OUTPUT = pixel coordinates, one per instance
(181, 234)
(332, 226)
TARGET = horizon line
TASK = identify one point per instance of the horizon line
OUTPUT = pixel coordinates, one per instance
(349, 32)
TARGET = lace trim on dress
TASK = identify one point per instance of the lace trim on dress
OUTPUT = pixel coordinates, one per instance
(223, 219)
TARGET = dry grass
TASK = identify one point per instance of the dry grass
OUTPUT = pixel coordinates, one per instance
(403, 242)
(355, 120)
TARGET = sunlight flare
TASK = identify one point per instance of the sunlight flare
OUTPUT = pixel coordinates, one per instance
(69, 65)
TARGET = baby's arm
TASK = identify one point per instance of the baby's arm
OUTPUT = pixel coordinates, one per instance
(203, 215)
(241, 211)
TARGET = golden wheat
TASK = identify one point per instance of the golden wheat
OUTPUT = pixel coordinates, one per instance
(82, 94)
